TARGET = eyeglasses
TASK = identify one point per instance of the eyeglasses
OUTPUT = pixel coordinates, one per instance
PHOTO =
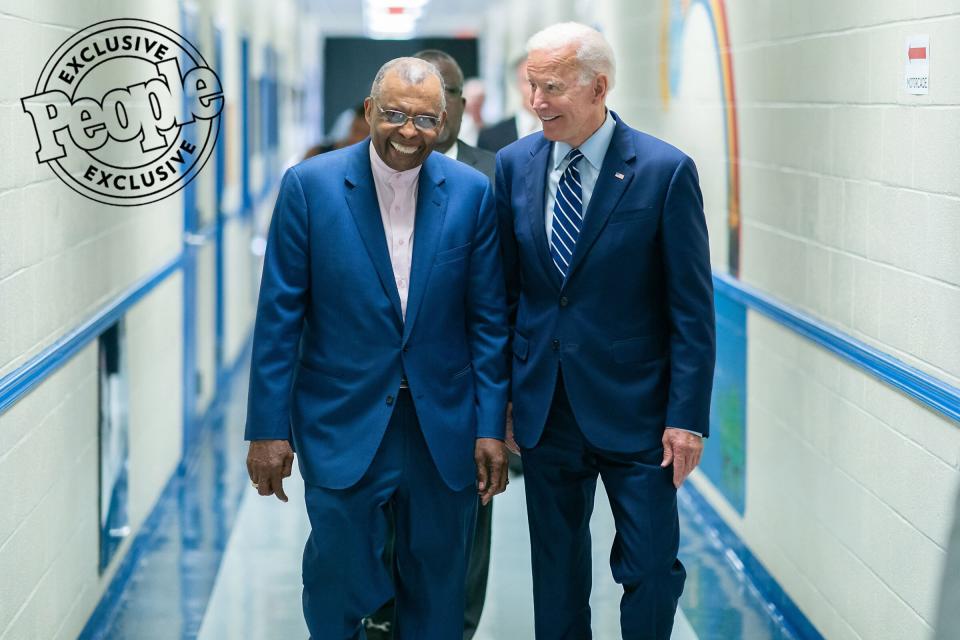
(399, 118)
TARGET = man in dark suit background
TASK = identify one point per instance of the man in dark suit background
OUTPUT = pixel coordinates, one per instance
(391, 391)
(379, 624)
(523, 123)
(608, 265)
(448, 142)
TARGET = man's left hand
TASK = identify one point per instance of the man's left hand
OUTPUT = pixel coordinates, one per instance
(491, 457)
(682, 449)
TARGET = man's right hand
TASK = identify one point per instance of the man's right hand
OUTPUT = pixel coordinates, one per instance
(268, 463)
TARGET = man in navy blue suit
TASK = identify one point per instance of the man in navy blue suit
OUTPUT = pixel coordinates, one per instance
(609, 279)
(379, 356)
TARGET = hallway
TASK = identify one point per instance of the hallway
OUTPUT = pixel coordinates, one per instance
(221, 562)
(820, 158)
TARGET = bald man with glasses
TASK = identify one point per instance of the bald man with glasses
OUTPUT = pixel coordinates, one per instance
(379, 624)
(379, 357)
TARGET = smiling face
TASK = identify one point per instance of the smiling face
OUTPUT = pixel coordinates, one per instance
(404, 147)
(570, 111)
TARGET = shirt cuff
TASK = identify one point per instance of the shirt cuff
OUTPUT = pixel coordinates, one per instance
(696, 433)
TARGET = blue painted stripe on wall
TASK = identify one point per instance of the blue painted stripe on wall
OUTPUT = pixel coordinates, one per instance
(936, 394)
(20, 381)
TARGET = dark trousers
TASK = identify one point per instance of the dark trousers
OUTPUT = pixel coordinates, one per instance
(478, 569)
(379, 625)
(344, 575)
(560, 479)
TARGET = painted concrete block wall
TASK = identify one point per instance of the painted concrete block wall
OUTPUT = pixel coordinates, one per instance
(850, 213)
(155, 394)
(62, 258)
(49, 452)
(296, 39)
(48, 523)
(206, 329)
(850, 497)
(853, 181)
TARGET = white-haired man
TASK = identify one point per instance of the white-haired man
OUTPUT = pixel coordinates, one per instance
(608, 267)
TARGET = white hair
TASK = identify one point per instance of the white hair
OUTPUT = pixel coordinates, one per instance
(412, 71)
(593, 52)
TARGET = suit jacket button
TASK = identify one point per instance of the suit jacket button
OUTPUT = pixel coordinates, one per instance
(564, 302)
(556, 345)
(406, 348)
(389, 400)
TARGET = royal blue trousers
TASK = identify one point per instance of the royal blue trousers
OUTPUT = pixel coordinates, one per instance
(345, 576)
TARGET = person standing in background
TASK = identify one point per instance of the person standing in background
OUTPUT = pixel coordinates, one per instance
(352, 130)
(475, 94)
(523, 123)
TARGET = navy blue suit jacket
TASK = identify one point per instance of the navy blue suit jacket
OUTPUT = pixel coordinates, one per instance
(330, 345)
(633, 323)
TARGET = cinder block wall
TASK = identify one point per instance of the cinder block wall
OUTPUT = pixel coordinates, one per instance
(850, 203)
(850, 193)
(62, 258)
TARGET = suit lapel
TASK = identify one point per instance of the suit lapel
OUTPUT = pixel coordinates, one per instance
(535, 200)
(606, 193)
(362, 200)
(428, 223)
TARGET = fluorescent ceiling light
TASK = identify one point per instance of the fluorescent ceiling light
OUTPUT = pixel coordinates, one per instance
(391, 4)
(392, 18)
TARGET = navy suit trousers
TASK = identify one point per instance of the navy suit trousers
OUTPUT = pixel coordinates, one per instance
(560, 479)
(345, 577)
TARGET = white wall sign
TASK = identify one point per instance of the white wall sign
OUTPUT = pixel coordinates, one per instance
(918, 65)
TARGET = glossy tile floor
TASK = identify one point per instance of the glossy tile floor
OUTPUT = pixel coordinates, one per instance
(219, 562)
(257, 592)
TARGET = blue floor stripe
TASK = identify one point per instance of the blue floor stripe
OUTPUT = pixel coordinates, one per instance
(712, 552)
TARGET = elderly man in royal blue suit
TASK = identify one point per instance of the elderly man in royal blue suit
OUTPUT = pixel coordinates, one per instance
(380, 357)
(605, 240)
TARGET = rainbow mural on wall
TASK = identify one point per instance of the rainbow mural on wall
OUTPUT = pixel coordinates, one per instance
(724, 460)
(675, 13)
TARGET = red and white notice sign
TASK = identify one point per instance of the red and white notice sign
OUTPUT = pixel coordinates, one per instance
(918, 65)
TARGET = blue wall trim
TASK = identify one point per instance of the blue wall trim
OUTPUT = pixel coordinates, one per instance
(936, 394)
(22, 380)
(751, 573)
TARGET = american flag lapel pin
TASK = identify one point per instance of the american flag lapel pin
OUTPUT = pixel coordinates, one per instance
(618, 175)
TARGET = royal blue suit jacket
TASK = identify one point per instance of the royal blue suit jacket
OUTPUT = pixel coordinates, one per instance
(330, 344)
(633, 323)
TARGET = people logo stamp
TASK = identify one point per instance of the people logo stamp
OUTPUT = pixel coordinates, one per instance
(126, 112)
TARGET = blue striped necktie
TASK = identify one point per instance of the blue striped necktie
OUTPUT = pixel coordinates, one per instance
(567, 215)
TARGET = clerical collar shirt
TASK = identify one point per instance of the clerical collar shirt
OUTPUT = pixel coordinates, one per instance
(593, 149)
(397, 197)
